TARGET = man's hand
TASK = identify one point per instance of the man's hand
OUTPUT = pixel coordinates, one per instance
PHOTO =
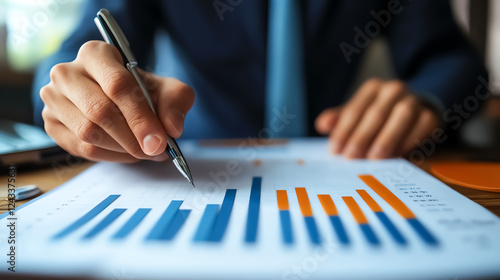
(95, 109)
(383, 119)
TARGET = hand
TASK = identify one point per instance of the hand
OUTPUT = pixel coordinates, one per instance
(383, 119)
(95, 109)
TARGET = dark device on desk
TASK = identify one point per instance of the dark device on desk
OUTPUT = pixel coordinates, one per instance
(26, 144)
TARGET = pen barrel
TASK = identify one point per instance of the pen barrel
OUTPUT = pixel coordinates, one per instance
(173, 150)
(132, 67)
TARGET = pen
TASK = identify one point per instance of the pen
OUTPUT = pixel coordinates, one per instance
(113, 34)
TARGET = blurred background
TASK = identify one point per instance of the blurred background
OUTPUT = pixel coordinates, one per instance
(31, 30)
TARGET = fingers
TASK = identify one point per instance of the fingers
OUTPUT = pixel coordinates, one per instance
(425, 123)
(326, 121)
(79, 125)
(373, 120)
(93, 144)
(96, 102)
(391, 136)
(99, 110)
(175, 99)
(352, 113)
(119, 85)
(383, 119)
(66, 140)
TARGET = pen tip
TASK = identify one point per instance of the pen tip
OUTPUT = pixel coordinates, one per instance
(192, 183)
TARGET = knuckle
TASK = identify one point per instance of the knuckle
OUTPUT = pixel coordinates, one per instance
(138, 122)
(45, 93)
(59, 72)
(45, 114)
(89, 47)
(99, 111)
(117, 83)
(86, 131)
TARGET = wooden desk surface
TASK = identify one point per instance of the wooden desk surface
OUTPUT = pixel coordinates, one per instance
(48, 178)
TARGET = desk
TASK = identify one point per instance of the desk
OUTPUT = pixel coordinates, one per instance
(50, 177)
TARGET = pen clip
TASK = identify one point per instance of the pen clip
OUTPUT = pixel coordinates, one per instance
(113, 34)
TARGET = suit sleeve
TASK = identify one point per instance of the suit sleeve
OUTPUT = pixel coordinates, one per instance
(138, 19)
(431, 53)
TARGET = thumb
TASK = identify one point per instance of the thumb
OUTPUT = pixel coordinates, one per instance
(326, 121)
(175, 99)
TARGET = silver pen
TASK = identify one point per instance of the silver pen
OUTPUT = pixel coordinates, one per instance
(113, 34)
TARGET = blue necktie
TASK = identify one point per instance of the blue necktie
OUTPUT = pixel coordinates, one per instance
(286, 103)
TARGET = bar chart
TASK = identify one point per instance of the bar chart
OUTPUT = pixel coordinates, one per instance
(215, 219)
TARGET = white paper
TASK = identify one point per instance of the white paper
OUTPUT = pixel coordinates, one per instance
(468, 235)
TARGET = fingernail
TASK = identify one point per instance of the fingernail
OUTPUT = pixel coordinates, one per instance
(151, 144)
(177, 119)
(161, 157)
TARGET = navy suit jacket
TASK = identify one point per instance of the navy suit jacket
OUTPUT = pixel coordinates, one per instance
(218, 47)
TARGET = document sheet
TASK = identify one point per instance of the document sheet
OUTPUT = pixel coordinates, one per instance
(283, 211)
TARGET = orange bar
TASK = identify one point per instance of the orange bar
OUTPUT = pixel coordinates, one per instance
(328, 205)
(282, 200)
(369, 200)
(388, 196)
(305, 205)
(356, 212)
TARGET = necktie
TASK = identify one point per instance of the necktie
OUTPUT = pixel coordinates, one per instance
(285, 97)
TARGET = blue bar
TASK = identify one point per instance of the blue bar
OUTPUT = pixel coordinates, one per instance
(423, 232)
(369, 234)
(87, 217)
(165, 220)
(130, 225)
(222, 219)
(111, 217)
(313, 230)
(253, 211)
(339, 229)
(391, 228)
(175, 225)
(207, 221)
(286, 226)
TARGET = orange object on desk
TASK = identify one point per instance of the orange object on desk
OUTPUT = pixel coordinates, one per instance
(477, 175)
